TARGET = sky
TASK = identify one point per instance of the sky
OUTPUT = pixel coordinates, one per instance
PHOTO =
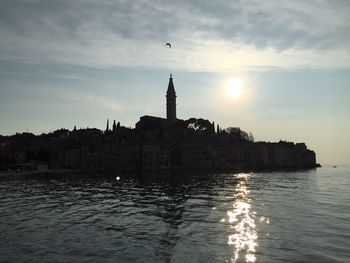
(66, 63)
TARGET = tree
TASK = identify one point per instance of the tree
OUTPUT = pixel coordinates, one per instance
(199, 124)
(251, 137)
(237, 133)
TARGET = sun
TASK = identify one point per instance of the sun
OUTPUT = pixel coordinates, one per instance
(234, 88)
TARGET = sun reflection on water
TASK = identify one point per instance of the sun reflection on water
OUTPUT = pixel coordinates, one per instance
(241, 220)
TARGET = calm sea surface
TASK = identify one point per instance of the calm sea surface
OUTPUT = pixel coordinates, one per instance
(247, 217)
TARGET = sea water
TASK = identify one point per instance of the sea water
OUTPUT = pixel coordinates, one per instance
(299, 216)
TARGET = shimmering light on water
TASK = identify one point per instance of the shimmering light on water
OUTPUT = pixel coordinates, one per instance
(242, 222)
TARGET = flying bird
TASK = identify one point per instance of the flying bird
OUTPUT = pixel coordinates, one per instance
(168, 44)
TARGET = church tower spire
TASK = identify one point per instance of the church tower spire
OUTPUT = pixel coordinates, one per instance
(107, 126)
(171, 101)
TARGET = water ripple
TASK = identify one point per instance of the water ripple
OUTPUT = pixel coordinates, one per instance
(257, 217)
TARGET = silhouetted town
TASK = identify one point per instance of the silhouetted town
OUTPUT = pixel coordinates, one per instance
(155, 143)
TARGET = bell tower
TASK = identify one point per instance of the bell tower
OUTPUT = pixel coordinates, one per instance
(171, 101)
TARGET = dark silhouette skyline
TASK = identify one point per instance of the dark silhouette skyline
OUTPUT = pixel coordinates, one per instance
(154, 144)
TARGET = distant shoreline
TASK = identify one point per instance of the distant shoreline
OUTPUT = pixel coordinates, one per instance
(65, 172)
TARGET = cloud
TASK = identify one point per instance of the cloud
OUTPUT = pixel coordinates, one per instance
(105, 103)
(83, 100)
(206, 35)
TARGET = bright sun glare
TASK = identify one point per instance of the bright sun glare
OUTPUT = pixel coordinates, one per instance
(234, 88)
